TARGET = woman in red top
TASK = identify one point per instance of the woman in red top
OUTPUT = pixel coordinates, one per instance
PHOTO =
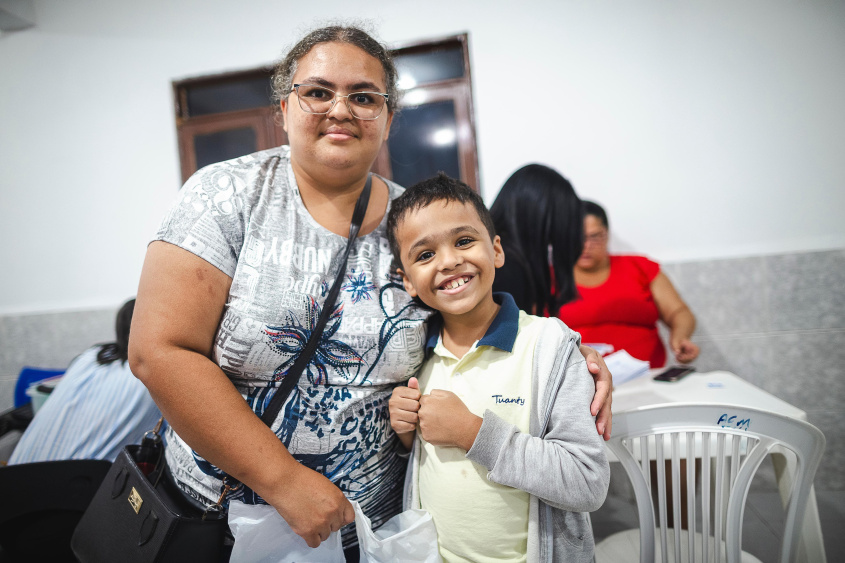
(622, 297)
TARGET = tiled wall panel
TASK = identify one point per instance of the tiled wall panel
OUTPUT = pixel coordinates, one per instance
(778, 322)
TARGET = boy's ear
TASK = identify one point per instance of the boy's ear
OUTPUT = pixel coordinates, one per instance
(498, 252)
(406, 281)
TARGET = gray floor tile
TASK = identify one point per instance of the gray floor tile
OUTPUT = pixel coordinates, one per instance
(768, 507)
(758, 539)
(764, 480)
(832, 515)
(615, 515)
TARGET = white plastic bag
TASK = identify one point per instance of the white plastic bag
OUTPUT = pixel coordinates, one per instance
(409, 537)
(263, 536)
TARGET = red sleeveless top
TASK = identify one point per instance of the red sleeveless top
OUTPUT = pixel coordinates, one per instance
(621, 311)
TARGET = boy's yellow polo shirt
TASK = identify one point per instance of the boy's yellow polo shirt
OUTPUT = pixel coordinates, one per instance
(473, 515)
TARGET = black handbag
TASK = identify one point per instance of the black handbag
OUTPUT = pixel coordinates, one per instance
(139, 514)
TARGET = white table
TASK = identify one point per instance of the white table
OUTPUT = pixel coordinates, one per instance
(727, 388)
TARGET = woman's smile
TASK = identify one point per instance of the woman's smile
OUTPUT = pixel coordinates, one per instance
(337, 133)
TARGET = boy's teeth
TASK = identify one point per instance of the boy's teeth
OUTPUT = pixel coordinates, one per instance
(455, 283)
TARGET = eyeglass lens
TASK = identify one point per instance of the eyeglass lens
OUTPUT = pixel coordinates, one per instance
(595, 238)
(317, 99)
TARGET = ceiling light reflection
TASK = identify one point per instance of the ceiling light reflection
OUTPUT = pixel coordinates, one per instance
(443, 137)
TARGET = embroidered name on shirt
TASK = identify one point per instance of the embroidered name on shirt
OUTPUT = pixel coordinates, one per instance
(515, 400)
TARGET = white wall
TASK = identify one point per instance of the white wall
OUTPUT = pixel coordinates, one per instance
(710, 129)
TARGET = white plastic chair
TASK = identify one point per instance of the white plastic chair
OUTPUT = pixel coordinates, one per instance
(731, 442)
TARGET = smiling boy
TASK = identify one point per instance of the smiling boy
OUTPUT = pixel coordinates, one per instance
(507, 459)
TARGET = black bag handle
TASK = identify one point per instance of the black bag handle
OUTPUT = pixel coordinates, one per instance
(294, 373)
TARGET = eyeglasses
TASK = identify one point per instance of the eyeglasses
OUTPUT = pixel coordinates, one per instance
(595, 239)
(321, 100)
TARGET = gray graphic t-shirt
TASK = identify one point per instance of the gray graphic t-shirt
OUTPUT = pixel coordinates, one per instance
(245, 216)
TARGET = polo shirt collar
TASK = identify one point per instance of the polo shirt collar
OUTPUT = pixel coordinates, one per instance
(502, 331)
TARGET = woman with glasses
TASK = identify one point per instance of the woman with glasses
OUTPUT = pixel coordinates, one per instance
(620, 299)
(234, 282)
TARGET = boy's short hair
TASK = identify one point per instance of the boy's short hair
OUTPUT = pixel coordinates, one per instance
(423, 194)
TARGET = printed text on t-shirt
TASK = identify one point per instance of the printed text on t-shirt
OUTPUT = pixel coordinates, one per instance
(502, 399)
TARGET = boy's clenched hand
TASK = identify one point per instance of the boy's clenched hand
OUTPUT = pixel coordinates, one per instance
(446, 421)
(403, 405)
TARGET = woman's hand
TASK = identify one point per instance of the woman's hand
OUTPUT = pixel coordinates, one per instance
(600, 407)
(312, 506)
(446, 421)
(684, 350)
(404, 405)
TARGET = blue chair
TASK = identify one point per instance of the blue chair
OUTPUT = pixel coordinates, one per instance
(27, 377)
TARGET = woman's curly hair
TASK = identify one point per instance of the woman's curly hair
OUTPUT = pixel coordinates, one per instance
(286, 68)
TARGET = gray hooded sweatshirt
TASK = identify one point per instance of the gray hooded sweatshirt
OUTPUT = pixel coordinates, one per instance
(561, 462)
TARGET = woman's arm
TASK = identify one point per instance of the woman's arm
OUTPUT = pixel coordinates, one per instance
(677, 316)
(179, 306)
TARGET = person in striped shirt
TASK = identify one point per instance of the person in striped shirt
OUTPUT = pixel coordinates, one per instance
(97, 408)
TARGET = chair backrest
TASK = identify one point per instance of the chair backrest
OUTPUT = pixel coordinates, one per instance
(42, 504)
(730, 442)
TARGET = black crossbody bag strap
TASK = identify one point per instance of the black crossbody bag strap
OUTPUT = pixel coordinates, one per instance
(292, 377)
